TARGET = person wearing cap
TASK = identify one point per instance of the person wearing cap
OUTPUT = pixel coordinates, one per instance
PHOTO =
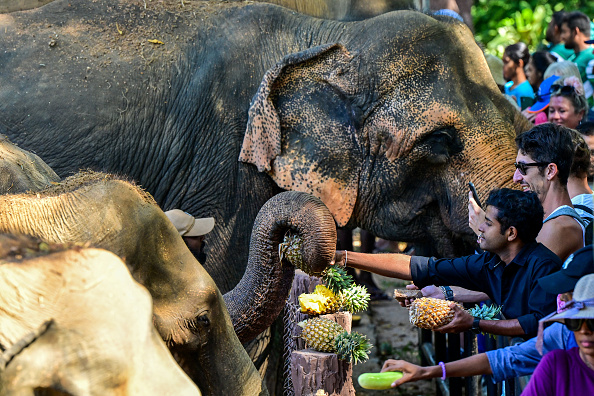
(566, 372)
(192, 230)
(537, 113)
(516, 360)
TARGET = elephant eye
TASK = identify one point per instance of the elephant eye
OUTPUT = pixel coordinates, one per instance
(200, 322)
(440, 145)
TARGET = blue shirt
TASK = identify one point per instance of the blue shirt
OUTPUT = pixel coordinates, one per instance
(518, 360)
(523, 89)
(514, 286)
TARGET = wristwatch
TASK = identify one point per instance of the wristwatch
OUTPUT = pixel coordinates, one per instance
(448, 293)
(475, 325)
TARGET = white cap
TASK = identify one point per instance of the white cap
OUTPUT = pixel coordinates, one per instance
(189, 226)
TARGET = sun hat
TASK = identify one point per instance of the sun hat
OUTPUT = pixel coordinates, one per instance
(188, 225)
(581, 307)
(543, 97)
(578, 264)
(496, 67)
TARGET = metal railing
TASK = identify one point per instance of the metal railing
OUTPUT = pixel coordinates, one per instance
(436, 347)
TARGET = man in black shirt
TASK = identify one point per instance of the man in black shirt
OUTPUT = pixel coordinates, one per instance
(507, 271)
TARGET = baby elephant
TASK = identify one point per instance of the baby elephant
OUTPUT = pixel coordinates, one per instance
(73, 321)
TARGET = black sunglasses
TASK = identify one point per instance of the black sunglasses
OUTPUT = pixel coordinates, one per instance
(576, 324)
(523, 167)
(563, 90)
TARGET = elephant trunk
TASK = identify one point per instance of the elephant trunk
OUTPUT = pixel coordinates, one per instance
(260, 295)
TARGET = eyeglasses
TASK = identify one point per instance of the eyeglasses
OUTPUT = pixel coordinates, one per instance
(562, 89)
(523, 167)
(576, 324)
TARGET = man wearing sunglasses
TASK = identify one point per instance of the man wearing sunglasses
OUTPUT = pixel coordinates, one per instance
(543, 165)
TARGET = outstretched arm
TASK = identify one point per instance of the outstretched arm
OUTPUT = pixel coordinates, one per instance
(463, 322)
(472, 365)
(392, 265)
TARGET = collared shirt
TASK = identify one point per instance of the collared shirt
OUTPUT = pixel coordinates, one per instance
(518, 360)
(514, 286)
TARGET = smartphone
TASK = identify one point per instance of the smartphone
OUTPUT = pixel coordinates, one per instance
(474, 194)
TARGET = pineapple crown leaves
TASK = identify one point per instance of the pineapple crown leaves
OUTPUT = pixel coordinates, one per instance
(355, 298)
(353, 347)
(486, 312)
(336, 279)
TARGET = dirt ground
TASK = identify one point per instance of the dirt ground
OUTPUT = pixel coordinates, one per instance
(386, 324)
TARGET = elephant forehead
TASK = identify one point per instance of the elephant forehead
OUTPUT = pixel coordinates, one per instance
(396, 133)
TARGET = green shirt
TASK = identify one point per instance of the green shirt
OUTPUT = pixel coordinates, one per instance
(559, 51)
(582, 59)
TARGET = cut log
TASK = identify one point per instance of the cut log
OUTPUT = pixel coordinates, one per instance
(312, 371)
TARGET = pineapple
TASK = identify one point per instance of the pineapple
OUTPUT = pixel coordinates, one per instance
(337, 279)
(290, 249)
(325, 335)
(322, 301)
(355, 298)
(431, 313)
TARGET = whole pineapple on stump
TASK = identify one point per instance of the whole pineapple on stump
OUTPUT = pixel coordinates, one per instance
(328, 366)
(431, 313)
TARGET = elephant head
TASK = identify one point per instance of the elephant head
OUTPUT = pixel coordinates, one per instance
(389, 137)
(21, 170)
(190, 313)
(73, 321)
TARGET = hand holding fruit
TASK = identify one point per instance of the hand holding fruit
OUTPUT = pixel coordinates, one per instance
(410, 372)
(462, 321)
(340, 257)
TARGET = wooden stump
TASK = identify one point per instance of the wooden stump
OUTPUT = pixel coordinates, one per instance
(312, 371)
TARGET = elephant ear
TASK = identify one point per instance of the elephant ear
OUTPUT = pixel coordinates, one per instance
(301, 127)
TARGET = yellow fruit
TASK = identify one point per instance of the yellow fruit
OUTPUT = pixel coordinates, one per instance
(322, 301)
(430, 313)
(320, 333)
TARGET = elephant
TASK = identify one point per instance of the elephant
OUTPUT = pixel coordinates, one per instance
(344, 10)
(241, 102)
(203, 329)
(21, 170)
(73, 321)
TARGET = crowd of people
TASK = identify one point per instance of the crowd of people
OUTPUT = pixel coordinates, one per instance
(534, 247)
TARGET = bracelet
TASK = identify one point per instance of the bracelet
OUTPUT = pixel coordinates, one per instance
(448, 293)
(443, 371)
(346, 258)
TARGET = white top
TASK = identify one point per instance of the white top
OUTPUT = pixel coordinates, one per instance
(585, 200)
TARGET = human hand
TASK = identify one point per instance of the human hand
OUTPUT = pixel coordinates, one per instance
(411, 372)
(407, 302)
(433, 292)
(462, 321)
(340, 257)
(476, 216)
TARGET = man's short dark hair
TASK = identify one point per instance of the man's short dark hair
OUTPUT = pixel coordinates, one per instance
(550, 143)
(581, 157)
(521, 210)
(576, 19)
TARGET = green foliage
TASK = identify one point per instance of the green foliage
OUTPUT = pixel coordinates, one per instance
(499, 23)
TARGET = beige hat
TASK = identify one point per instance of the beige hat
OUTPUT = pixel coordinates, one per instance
(189, 226)
(496, 67)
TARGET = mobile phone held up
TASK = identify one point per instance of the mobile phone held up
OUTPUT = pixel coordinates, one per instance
(474, 194)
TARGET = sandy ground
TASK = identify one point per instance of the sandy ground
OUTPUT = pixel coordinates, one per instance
(387, 326)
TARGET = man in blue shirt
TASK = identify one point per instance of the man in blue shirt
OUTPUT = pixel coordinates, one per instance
(518, 360)
(507, 271)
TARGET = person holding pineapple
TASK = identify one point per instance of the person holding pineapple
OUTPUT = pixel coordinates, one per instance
(507, 271)
(517, 360)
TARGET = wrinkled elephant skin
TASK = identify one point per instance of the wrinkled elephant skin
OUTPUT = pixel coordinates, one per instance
(87, 328)
(386, 120)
